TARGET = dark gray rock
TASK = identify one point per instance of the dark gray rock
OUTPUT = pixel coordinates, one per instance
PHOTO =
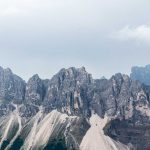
(35, 90)
(117, 96)
(67, 91)
(28, 111)
(12, 87)
(141, 74)
(5, 109)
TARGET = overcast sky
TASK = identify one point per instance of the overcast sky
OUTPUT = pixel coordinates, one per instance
(43, 36)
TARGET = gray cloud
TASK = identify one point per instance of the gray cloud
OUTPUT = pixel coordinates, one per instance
(42, 36)
(138, 34)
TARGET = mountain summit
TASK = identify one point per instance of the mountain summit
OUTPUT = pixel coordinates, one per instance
(73, 111)
(141, 74)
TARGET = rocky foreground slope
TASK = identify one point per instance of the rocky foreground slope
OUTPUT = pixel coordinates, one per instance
(73, 111)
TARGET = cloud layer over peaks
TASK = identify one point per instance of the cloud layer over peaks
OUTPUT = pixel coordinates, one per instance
(139, 34)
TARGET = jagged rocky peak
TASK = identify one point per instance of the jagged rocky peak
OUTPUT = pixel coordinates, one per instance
(132, 114)
(67, 90)
(79, 75)
(74, 107)
(141, 74)
(129, 94)
(12, 87)
(35, 90)
(120, 81)
(118, 96)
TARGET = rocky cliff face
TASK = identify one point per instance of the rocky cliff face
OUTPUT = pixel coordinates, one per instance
(72, 106)
(141, 74)
(67, 91)
(35, 90)
(12, 87)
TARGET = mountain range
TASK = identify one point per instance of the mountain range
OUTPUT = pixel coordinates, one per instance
(73, 111)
